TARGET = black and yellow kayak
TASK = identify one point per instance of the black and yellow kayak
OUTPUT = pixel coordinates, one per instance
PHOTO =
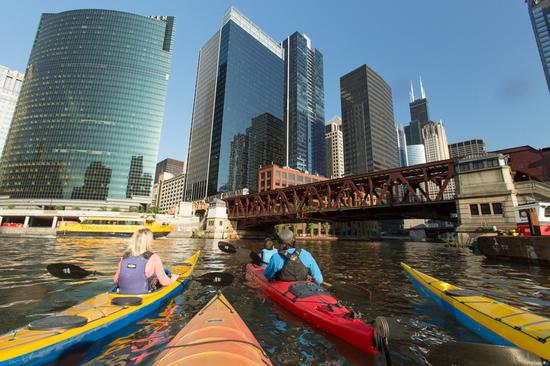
(496, 322)
(45, 340)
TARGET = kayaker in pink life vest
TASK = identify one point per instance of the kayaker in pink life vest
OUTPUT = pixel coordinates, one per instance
(140, 270)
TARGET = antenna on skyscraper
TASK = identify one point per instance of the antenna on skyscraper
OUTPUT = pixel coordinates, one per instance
(422, 91)
(411, 93)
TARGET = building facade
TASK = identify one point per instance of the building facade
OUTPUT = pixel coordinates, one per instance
(416, 154)
(368, 126)
(304, 112)
(274, 177)
(240, 77)
(435, 142)
(89, 116)
(168, 192)
(10, 83)
(402, 155)
(539, 11)
(334, 139)
(468, 148)
(172, 166)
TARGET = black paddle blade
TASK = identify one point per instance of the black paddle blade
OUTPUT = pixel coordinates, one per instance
(479, 354)
(67, 270)
(216, 279)
(227, 247)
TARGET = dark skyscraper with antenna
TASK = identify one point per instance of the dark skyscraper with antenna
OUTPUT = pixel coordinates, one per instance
(420, 116)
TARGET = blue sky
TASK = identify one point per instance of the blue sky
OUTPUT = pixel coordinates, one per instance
(478, 59)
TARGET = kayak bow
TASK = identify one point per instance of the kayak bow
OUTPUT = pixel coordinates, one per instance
(318, 308)
(215, 336)
(46, 339)
(496, 322)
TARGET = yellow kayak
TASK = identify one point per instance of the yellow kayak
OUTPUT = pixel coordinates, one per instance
(494, 321)
(45, 340)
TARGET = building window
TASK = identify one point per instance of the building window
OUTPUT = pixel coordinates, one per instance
(485, 209)
(497, 208)
(7, 82)
(474, 210)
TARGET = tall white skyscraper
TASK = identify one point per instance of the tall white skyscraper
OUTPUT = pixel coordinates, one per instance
(334, 140)
(435, 142)
(10, 85)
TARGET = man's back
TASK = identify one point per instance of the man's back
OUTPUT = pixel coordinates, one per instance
(278, 261)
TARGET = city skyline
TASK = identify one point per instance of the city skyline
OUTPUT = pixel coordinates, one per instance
(498, 94)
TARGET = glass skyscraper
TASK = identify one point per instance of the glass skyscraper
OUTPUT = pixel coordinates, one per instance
(304, 113)
(370, 141)
(539, 11)
(240, 77)
(88, 120)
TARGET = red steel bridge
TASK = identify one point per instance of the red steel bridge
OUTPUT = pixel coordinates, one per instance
(422, 191)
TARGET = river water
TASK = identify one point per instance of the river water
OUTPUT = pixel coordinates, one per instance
(28, 292)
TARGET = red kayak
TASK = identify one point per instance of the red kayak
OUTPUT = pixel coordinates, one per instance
(308, 301)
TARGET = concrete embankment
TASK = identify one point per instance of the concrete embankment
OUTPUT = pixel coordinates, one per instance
(27, 232)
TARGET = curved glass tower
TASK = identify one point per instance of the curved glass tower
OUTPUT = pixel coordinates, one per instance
(88, 120)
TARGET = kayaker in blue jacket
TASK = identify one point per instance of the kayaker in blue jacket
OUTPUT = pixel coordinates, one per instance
(268, 252)
(292, 264)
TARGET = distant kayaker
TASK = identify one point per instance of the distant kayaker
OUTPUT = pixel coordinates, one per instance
(292, 264)
(140, 270)
(267, 252)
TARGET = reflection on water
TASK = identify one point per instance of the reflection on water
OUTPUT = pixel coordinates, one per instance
(377, 287)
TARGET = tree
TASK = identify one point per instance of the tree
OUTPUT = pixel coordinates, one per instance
(115, 209)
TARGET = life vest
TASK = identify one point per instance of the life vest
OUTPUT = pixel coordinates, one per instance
(266, 256)
(294, 269)
(132, 279)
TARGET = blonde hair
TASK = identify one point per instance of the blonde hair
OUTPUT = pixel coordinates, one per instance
(140, 242)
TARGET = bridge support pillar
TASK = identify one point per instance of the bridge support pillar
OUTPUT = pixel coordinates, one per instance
(486, 196)
(26, 223)
(218, 225)
(54, 222)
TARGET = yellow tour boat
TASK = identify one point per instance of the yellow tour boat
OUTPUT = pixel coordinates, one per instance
(112, 226)
(45, 340)
(496, 322)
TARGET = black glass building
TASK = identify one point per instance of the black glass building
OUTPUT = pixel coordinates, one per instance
(88, 120)
(420, 117)
(304, 112)
(539, 11)
(239, 78)
(370, 141)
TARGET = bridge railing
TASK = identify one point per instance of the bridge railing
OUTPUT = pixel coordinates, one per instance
(423, 183)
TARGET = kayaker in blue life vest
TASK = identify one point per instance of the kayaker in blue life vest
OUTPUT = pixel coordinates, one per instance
(292, 264)
(140, 270)
(268, 252)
